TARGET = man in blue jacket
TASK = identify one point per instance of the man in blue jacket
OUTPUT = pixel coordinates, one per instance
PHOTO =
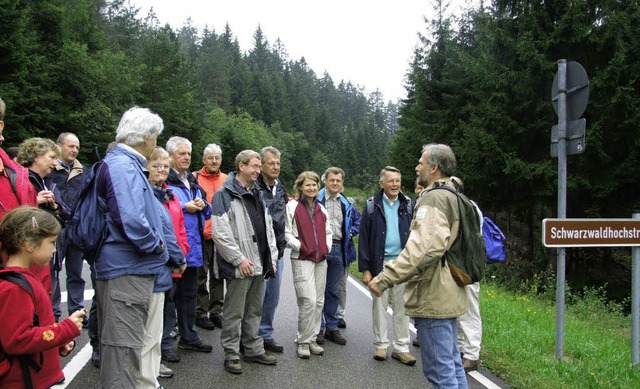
(133, 266)
(386, 223)
(196, 210)
(344, 221)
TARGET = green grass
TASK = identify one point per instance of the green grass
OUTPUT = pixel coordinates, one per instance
(518, 343)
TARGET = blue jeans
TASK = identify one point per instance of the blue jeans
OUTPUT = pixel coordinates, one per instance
(270, 302)
(335, 268)
(441, 363)
(73, 263)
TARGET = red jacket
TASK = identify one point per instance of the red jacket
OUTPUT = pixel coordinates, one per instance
(177, 217)
(210, 183)
(18, 336)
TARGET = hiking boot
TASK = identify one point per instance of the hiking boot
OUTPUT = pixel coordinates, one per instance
(165, 372)
(170, 356)
(217, 321)
(315, 349)
(342, 323)
(405, 358)
(470, 364)
(95, 357)
(272, 345)
(233, 366)
(205, 324)
(263, 359)
(336, 337)
(320, 337)
(196, 346)
(303, 351)
(380, 354)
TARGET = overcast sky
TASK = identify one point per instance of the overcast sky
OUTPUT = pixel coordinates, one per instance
(367, 42)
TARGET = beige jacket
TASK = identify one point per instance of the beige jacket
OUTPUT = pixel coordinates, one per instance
(430, 290)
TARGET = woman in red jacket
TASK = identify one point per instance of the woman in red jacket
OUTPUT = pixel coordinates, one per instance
(308, 235)
(27, 329)
(158, 165)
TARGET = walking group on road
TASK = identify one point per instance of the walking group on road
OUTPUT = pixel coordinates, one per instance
(187, 250)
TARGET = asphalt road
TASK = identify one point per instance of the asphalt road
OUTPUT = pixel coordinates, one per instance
(350, 366)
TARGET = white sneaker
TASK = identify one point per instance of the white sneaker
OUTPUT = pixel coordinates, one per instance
(165, 372)
(303, 351)
(315, 349)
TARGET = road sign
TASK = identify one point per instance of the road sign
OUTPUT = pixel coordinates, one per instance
(574, 138)
(577, 91)
(590, 232)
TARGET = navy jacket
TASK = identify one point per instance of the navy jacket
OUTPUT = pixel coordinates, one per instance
(373, 229)
(277, 208)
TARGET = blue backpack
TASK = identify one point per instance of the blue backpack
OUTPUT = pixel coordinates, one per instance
(495, 241)
(87, 225)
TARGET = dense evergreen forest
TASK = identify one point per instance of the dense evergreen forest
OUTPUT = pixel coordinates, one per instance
(77, 65)
(479, 81)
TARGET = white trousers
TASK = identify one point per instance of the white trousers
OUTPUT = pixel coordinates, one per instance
(150, 362)
(470, 325)
(309, 282)
(393, 296)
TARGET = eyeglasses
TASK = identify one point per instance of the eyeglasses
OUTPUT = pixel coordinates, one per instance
(159, 166)
(274, 164)
(213, 158)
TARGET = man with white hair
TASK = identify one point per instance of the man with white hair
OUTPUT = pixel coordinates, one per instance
(209, 309)
(196, 212)
(133, 266)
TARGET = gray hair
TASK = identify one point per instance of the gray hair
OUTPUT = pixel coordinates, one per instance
(174, 141)
(211, 149)
(441, 155)
(245, 156)
(136, 124)
(64, 136)
(388, 169)
(271, 150)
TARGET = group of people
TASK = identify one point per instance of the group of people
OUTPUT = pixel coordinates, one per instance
(205, 249)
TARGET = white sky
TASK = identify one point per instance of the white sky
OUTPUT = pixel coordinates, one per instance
(367, 42)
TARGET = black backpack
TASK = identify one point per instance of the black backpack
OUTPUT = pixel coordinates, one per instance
(468, 253)
(26, 361)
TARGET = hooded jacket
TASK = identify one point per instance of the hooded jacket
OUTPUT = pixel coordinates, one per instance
(235, 235)
(193, 222)
(134, 243)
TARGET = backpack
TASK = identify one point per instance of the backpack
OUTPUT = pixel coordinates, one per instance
(495, 241)
(467, 255)
(86, 227)
(26, 361)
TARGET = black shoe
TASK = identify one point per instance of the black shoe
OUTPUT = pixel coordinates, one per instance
(95, 357)
(272, 345)
(416, 342)
(197, 346)
(170, 356)
(335, 337)
(320, 337)
(342, 323)
(205, 324)
(217, 321)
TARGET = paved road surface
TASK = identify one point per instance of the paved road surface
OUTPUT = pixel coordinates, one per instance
(350, 366)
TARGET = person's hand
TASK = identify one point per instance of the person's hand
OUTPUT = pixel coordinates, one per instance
(246, 268)
(199, 203)
(46, 197)
(366, 277)
(181, 269)
(78, 316)
(191, 207)
(373, 287)
(275, 269)
(68, 348)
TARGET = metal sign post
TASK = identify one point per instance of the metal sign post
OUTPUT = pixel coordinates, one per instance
(569, 96)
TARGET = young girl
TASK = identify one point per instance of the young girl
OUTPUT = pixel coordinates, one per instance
(27, 329)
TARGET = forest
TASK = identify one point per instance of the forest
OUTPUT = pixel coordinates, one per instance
(479, 81)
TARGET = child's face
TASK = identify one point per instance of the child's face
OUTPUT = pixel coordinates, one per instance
(42, 253)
